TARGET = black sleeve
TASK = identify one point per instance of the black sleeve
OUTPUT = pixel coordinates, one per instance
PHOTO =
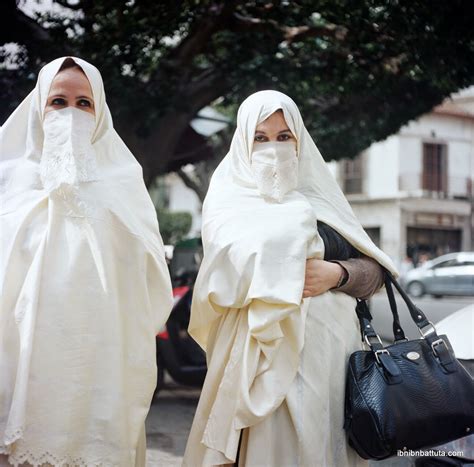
(336, 247)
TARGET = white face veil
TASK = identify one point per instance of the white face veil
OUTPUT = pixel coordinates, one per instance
(84, 287)
(247, 309)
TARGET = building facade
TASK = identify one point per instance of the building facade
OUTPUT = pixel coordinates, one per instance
(413, 192)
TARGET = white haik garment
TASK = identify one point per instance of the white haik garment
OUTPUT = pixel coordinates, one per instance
(84, 286)
(276, 363)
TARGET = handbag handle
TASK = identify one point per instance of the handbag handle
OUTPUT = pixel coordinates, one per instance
(398, 333)
(416, 314)
(418, 317)
(382, 355)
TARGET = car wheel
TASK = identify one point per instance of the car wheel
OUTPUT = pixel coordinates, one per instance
(416, 289)
(437, 296)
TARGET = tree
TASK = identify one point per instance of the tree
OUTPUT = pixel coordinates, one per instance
(174, 226)
(358, 69)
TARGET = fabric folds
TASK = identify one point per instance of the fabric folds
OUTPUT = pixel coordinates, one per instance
(84, 287)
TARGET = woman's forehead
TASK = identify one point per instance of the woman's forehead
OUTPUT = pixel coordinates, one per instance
(71, 79)
(275, 122)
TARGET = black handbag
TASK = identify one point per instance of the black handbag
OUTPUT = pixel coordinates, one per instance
(412, 394)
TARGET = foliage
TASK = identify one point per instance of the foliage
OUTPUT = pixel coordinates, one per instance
(358, 69)
(174, 226)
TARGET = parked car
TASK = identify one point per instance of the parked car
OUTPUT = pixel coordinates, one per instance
(451, 274)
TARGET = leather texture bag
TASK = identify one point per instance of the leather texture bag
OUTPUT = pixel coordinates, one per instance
(412, 394)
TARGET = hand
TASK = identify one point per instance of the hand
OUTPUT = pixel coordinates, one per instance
(320, 277)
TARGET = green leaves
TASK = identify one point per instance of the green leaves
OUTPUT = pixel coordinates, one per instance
(174, 226)
(358, 69)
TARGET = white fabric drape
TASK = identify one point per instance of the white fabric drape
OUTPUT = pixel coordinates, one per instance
(84, 287)
(247, 312)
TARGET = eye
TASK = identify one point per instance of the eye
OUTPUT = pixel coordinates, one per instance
(284, 137)
(58, 101)
(84, 103)
(260, 138)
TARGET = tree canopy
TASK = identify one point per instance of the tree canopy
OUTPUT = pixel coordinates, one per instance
(358, 69)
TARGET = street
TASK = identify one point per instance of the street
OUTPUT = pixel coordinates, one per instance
(168, 425)
(434, 309)
(172, 412)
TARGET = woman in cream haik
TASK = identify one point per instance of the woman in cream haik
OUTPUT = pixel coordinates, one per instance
(84, 285)
(277, 338)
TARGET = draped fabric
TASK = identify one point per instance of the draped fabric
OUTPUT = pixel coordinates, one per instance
(84, 288)
(247, 311)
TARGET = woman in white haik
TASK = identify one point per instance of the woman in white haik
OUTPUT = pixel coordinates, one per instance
(277, 345)
(83, 280)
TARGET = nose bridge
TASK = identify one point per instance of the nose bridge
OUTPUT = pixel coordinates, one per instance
(274, 138)
(273, 148)
(266, 152)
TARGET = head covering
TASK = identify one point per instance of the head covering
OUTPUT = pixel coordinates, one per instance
(252, 276)
(84, 287)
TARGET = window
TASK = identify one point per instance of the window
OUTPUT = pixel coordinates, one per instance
(352, 175)
(435, 169)
(374, 234)
(447, 264)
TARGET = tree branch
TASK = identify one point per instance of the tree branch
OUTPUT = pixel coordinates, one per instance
(201, 92)
(195, 42)
(290, 34)
(193, 184)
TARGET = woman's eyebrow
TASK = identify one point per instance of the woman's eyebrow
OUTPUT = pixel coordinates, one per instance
(259, 131)
(284, 131)
(83, 97)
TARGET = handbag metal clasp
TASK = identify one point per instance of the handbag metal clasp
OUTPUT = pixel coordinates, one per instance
(366, 338)
(435, 343)
(377, 352)
(431, 330)
(444, 355)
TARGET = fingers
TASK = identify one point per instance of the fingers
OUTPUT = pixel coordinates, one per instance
(315, 278)
(313, 292)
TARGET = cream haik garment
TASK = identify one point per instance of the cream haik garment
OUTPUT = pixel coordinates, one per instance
(249, 316)
(84, 286)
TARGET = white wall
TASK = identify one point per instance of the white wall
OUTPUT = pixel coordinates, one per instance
(459, 167)
(381, 169)
(184, 199)
(410, 164)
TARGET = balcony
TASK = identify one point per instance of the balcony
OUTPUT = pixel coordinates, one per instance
(455, 187)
